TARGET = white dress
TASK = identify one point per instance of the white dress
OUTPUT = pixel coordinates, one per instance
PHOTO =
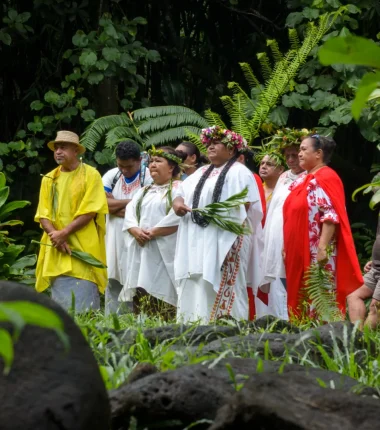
(273, 264)
(211, 285)
(150, 267)
(114, 224)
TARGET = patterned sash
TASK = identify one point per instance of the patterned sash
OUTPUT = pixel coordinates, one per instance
(226, 295)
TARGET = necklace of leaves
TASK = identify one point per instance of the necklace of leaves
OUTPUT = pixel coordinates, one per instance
(169, 199)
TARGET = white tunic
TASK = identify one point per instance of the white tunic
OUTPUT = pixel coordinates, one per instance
(273, 264)
(114, 224)
(202, 251)
(150, 267)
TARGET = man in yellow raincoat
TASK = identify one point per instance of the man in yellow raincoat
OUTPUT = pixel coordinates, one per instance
(71, 211)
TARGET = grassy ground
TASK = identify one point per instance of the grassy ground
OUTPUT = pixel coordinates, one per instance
(116, 363)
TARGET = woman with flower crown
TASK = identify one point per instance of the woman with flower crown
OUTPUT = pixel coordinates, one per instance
(211, 264)
(150, 227)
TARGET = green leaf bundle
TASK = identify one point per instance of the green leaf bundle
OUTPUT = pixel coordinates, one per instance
(81, 255)
(217, 213)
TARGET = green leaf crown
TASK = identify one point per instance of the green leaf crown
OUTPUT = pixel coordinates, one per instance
(161, 153)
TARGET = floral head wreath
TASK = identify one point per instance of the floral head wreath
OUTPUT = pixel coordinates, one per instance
(160, 153)
(227, 137)
(286, 137)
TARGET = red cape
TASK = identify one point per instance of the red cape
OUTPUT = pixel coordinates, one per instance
(296, 240)
(259, 183)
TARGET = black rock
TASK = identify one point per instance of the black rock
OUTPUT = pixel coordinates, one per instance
(50, 388)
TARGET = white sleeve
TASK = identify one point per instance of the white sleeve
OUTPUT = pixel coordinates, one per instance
(130, 219)
(108, 178)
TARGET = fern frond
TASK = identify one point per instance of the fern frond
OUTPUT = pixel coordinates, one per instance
(238, 91)
(195, 138)
(249, 75)
(265, 65)
(319, 290)
(295, 44)
(95, 132)
(158, 111)
(171, 135)
(214, 118)
(236, 110)
(161, 123)
(277, 54)
(118, 134)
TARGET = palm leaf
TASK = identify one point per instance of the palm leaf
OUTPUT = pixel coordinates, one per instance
(265, 65)
(235, 109)
(277, 54)
(214, 118)
(158, 111)
(171, 135)
(171, 121)
(250, 77)
(96, 131)
(294, 39)
(118, 134)
(195, 138)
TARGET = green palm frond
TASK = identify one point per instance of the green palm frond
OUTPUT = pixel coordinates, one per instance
(294, 39)
(118, 134)
(277, 54)
(237, 90)
(96, 131)
(265, 65)
(171, 135)
(236, 111)
(214, 118)
(250, 77)
(161, 123)
(159, 111)
(319, 292)
(195, 138)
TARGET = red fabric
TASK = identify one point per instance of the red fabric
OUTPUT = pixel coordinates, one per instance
(251, 304)
(296, 240)
(264, 297)
(262, 197)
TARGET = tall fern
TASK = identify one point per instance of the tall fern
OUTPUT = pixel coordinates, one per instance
(319, 291)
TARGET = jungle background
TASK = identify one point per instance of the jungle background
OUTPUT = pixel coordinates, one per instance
(64, 64)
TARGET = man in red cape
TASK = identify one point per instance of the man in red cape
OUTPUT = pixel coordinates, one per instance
(296, 241)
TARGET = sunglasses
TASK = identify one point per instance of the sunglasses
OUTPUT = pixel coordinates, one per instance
(317, 138)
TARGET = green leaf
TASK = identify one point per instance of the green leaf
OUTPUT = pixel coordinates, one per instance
(4, 193)
(12, 223)
(294, 100)
(95, 77)
(294, 19)
(342, 114)
(111, 31)
(106, 156)
(16, 146)
(6, 349)
(321, 99)
(21, 134)
(324, 82)
(12, 14)
(88, 115)
(23, 17)
(102, 65)
(36, 105)
(302, 88)
(126, 60)
(11, 206)
(67, 53)
(5, 38)
(350, 50)
(375, 200)
(80, 39)
(310, 14)
(352, 8)
(3, 181)
(279, 116)
(153, 56)
(139, 20)
(334, 3)
(368, 84)
(51, 97)
(18, 267)
(111, 54)
(88, 58)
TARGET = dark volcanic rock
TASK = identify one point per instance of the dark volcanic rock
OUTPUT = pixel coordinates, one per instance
(292, 401)
(50, 388)
(339, 335)
(196, 392)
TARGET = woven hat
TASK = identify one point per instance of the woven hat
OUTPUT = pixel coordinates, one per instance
(67, 137)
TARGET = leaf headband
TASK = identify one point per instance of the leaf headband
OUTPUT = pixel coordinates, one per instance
(160, 153)
(227, 137)
(286, 137)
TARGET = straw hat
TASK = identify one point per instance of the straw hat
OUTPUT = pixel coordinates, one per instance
(67, 137)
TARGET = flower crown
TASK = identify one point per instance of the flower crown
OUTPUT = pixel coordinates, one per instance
(227, 137)
(160, 153)
(286, 137)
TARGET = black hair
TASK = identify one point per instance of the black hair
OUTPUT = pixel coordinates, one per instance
(128, 150)
(196, 216)
(326, 144)
(180, 154)
(249, 160)
(192, 149)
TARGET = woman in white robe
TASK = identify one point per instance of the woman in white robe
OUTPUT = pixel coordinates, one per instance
(149, 229)
(211, 264)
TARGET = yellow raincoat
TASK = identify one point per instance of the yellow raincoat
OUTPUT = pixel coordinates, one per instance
(63, 197)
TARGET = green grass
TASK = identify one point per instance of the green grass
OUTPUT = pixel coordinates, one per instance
(118, 361)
